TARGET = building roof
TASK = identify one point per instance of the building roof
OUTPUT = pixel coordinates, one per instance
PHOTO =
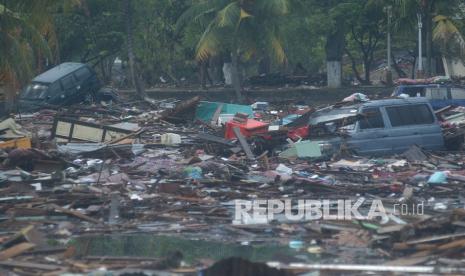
(58, 72)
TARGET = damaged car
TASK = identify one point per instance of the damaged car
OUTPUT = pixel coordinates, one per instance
(62, 85)
(377, 127)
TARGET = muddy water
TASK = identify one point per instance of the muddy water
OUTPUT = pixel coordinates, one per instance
(145, 245)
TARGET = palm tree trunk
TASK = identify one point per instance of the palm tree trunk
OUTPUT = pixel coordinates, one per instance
(9, 97)
(127, 8)
(235, 76)
(429, 42)
(203, 78)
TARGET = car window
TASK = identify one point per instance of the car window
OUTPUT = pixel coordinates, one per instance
(371, 118)
(68, 82)
(35, 91)
(82, 74)
(405, 115)
(437, 93)
(54, 88)
(414, 91)
(458, 93)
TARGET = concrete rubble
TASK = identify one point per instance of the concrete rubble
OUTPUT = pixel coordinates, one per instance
(150, 187)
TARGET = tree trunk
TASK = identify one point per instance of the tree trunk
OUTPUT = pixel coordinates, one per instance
(334, 74)
(236, 80)
(354, 66)
(429, 42)
(396, 67)
(264, 65)
(9, 97)
(203, 78)
(412, 74)
(334, 50)
(367, 65)
(130, 47)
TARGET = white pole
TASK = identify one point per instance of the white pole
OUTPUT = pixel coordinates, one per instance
(420, 55)
(389, 39)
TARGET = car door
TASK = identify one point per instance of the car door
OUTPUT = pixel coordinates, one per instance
(83, 79)
(69, 89)
(457, 96)
(438, 96)
(371, 135)
(413, 124)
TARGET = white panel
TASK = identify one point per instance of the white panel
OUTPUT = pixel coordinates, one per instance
(63, 129)
(87, 133)
(457, 93)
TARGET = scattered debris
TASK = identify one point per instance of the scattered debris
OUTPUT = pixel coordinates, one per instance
(86, 174)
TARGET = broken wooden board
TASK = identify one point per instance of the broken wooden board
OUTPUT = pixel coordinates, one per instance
(214, 139)
(216, 115)
(75, 214)
(245, 146)
(21, 236)
(15, 250)
(180, 108)
(29, 265)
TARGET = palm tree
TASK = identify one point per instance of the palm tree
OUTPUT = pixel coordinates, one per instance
(127, 9)
(434, 19)
(27, 35)
(242, 28)
(448, 36)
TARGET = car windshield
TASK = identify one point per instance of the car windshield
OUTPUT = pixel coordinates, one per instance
(35, 91)
(331, 114)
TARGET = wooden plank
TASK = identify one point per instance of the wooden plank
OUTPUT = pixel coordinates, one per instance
(216, 115)
(408, 260)
(29, 265)
(452, 245)
(76, 214)
(15, 250)
(245, 146)
(214, 139)
(18, 237)
(436, 238)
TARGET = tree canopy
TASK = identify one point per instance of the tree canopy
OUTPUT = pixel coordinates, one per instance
(173, 40)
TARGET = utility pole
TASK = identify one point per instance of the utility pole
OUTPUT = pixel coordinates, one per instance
(420, 55)
(389, 71)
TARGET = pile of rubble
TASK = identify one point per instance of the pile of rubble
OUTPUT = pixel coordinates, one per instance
(72, 177)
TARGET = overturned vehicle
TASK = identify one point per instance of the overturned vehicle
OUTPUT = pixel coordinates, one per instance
(65, 84)
(377, 127)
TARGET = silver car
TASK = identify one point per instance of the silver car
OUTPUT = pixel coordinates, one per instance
(379, 126)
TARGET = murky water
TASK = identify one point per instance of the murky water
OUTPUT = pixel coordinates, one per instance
(192, 249)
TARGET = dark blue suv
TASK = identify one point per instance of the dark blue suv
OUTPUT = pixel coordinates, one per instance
(64, 84)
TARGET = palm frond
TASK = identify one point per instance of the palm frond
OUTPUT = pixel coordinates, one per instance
(273, 7)
(272, 44)
(208, 44)
(446, 33)
(229, 16)
(194, 12)
(277, 50)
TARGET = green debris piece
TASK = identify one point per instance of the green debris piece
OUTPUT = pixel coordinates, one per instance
(206, 110)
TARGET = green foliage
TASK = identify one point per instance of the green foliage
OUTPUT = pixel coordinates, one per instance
(172, 36)
(23, 30)
(92, 32)
(158, 47)
(250, 28)
(367, 28)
